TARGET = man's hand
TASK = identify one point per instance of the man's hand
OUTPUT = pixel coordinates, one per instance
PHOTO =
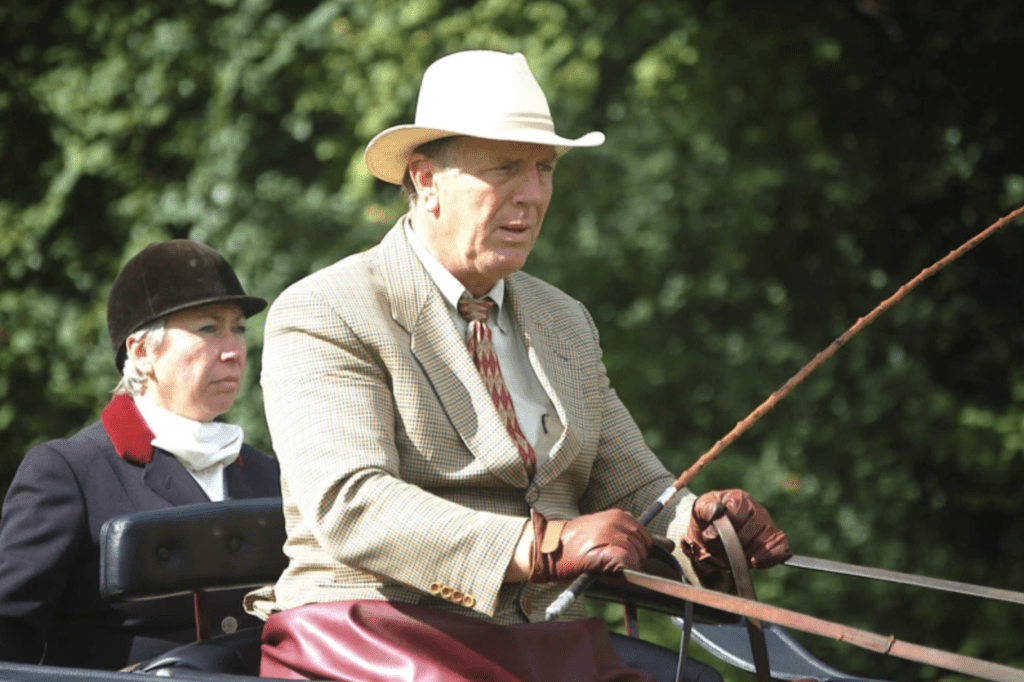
(605, 542)
(763, 543)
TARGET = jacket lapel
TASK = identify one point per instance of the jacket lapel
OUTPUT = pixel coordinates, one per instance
(236, 484)
(417, 305)
(555, 363)
(168, 478)
(132, 439)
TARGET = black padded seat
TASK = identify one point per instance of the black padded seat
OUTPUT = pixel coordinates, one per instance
(192, 548)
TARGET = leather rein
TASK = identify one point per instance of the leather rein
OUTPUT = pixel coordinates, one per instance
(756, 613)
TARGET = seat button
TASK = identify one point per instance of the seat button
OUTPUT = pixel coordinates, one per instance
(229, 625)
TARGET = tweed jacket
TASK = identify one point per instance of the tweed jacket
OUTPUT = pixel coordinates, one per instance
(399, 480)
(64, 490)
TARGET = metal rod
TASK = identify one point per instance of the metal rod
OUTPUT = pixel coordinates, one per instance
(829, 566)
(575, 589)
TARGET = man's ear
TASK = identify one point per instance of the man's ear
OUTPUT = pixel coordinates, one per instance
(424, 178)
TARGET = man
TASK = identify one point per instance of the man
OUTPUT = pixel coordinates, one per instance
(469, 477)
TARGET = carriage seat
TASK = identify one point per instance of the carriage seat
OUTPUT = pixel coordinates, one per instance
(195, 549)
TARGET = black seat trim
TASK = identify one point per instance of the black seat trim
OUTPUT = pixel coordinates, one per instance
(180, 550)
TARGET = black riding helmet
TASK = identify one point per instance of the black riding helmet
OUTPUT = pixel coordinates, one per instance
(168, 277)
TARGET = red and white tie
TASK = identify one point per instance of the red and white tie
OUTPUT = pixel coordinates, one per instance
(481, 347)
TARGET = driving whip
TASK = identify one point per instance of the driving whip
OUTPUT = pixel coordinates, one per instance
(576, 588)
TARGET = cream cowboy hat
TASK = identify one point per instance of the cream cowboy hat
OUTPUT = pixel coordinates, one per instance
(479, 93)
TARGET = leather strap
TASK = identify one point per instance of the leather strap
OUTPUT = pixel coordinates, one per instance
(745, 587)
(202, 615)
(670, 568)
(864, 639)
(552, 536)
(630, 619)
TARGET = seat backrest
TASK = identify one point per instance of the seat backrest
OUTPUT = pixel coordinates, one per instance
(190, 548)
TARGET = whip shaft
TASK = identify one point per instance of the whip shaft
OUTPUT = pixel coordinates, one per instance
(579, 585)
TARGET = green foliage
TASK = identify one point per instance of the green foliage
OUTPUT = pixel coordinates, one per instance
(771, 173)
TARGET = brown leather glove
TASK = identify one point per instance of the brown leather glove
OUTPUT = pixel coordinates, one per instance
(763, 543)
(605, 542)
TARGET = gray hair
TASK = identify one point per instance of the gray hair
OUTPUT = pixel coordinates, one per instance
(437, 151)
(134, 373)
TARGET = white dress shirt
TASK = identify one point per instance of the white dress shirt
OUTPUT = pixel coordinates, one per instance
(534, 409)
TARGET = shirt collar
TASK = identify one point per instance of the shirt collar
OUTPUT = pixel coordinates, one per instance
(451, 288)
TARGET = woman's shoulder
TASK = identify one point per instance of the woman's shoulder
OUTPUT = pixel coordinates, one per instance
(249, 453)
(77, 450)
(261, 470)
(53, 474)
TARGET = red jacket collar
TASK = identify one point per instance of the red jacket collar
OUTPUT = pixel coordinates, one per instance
(129, 432)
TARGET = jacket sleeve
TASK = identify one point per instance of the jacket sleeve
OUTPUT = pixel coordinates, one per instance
(332, 416)
(41, 532)
(626, 473)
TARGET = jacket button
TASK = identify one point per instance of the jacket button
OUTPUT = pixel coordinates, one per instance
(446, 592)
(229, 625)
(468, 601)
(435, 588)
(457, 597)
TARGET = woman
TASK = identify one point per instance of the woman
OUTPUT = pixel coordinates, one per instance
(176, 318)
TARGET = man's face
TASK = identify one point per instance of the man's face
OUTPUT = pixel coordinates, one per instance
(489, 208)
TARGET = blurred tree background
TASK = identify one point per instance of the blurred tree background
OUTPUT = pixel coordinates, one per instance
(772, 171)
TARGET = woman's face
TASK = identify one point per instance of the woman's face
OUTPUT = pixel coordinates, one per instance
(197, 370)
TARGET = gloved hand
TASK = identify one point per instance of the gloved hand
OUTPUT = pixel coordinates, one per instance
(763, 543)
(605, 542)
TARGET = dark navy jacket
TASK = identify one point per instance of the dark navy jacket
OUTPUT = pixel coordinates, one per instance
(63, 491)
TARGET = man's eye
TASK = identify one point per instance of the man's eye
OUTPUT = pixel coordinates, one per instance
(239, 329)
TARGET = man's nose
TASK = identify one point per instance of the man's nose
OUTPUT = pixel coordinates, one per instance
(532, 187)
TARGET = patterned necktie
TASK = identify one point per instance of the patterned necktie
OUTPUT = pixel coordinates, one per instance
(478, 340)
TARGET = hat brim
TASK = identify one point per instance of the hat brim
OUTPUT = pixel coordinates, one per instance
(387, 155)
(250, 305)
